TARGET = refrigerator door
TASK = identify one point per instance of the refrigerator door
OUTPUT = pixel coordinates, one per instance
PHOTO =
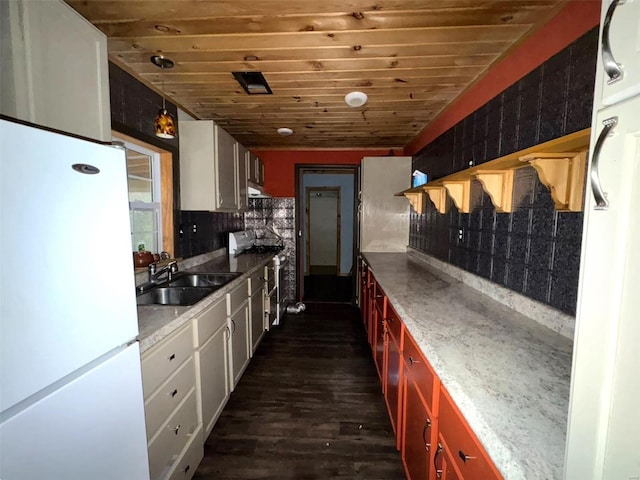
(67, 293)
(91, 428)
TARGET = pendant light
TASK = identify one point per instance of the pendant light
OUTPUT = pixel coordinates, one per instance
(164, 124)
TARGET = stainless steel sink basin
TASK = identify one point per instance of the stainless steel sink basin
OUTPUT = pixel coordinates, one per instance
(174, 295)
(202, 279)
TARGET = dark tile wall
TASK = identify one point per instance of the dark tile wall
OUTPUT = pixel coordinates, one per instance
(280, 213)
(203, 232)
(133, 109)
(534, 250)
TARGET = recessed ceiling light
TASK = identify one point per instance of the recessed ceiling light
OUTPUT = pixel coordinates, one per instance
(284, 131)
(355, 99)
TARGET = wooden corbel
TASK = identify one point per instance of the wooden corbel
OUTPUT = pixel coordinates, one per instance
(438, 196)
(460, 192)
(499, 185)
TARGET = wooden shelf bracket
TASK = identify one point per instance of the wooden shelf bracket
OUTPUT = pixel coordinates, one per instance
(564, 175)
(499, 185)
(416, 199)
(438, 196)
(460, 192)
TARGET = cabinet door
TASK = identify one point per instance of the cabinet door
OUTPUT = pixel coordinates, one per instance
(54, 69)
(257, 319)
(604, 418)
(392, 381)
(227, 170)
(443, 463)
(623, 49)
(253, 168)
(242, 176)
(260, 172)
(364, 297)
(379, 344)
(212, 365)
(240, 347)
(418, 433)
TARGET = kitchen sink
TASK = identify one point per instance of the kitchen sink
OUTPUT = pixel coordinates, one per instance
(203, 279)
(173, 295)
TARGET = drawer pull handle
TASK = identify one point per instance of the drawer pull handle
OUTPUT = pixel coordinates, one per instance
(187, 468)
(427, 426)
(596, 188)
(234, 326)
(612, 68)
(412, 361)
(435, 460)
(464, 457)
(172, 357)
(176, 429)
(174, 393)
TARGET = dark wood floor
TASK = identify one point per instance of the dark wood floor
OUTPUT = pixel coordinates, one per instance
(328, 288)
(308, 407)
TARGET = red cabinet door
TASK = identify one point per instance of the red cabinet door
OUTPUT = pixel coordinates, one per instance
(393, 378)
(380, 344)
(443, 464)
(418, 431)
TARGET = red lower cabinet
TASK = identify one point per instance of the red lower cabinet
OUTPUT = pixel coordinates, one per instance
(379, 342)
(443, 464)
(465, 450)
(393, 379)
(419, 428)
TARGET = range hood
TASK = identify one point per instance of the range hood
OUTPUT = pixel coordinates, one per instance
(256, 191)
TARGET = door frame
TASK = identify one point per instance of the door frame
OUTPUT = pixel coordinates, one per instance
(307, 215)
(305, 168)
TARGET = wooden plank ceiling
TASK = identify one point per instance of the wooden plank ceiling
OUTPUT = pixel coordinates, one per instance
(411, 57)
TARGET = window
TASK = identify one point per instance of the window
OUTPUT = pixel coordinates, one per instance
(145, 205)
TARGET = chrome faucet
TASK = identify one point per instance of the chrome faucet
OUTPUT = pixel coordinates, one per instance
(169, 269)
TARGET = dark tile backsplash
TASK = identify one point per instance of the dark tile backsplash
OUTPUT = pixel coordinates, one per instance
(203, 232)
(534, 250)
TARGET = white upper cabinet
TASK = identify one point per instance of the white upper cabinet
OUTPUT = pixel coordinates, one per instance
(55, 70)
(620, 50)
(208, 167)
(256, 169)
(243, 158)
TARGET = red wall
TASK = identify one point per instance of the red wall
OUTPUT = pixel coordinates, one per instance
(575, 19)
(279, 165)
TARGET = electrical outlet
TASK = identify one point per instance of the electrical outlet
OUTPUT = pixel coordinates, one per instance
(460, 235)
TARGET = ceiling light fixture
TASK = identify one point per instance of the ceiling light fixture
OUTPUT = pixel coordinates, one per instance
(355, 99)
(284, 131)
(164, 124)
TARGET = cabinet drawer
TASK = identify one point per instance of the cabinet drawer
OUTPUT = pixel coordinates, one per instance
(189, 461)
(256, 282)
(173, 437)
(237, 297)
(420, 371)
(394, 325)
(165, 358)
(462, 443)
(166, 398)
(210, 321)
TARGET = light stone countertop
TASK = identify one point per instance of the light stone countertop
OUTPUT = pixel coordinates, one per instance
(156, 322)
(508, 374)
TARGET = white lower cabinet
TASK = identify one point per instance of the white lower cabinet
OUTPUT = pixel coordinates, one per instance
(256, 309)
(238, 312)
(211, 334)
(174, 429)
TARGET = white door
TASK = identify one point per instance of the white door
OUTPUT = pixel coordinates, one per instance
(213, 365)
(67, 293)
(324, 229)
(257, 318)
(620, 50)
(91, 428)
(227, 170)
(239, 343)
(604, 418)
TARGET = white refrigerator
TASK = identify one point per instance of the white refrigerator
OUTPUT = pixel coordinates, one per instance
(71, 404)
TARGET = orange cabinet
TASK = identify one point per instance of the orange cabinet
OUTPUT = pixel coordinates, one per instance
(421, 372)
(467, 454)
(443, 463)
(364, 293)
(393, 377)
(379, 343)
(419, 427)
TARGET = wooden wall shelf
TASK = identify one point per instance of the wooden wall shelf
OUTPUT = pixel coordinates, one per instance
(438, 195)
(560, 163)
(563, 174)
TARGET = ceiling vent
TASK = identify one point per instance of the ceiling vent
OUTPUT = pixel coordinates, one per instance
(253, 83)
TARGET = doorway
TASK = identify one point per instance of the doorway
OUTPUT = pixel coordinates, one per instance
(325, 201)
(323, 224)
